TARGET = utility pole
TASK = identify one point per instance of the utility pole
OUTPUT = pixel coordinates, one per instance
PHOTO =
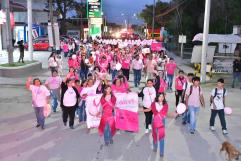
(30, 24)
(82, 27)
(153, 18)
(6, 8)
(51, 17)
(205, 40)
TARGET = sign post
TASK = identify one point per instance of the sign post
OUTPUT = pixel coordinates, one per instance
(182, 39)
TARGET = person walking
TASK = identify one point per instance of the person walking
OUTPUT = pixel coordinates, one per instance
(236, 72)
(159, 109)
(107, 122)
(170, 69)
(149, 95)
(217, 103)
(40, 97)
(21, 50)
(137, 66)
(194, 100)
(179, 82)
(69, 101)
(53, 84)
(52, 62)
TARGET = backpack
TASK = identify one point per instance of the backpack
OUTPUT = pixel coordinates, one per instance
(191, 88)
(216, 92)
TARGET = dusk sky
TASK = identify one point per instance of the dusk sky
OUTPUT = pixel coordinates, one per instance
(114, 8)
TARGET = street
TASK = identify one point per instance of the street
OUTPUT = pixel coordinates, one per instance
(21, 141)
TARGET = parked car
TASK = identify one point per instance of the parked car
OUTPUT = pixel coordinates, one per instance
(40, 44)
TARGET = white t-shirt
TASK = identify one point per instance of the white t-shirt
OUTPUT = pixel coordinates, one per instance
(52, 62)
(90, 90)
(158, 107)
(69, 97)
(218, 99)
(54, 82)
(149, 96)
(39, 95)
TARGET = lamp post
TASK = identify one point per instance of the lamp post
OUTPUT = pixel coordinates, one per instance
(205, 40)
(30, 24)
(153, 18)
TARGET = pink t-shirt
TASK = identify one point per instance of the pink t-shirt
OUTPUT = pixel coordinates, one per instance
(171, 67)
(65, 48)
(126, 63)
(179, 82)
(163, 86)
(39, 95)
(194, 98)
(119, 89)
(137, 64)
(54, 82)
(72, 76)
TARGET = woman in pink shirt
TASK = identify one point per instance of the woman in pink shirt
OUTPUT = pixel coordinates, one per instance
(119, 86)
(179, 82)
(107, 122)
(65, 49)
(40, 97)
(72, 74)
(125, 62)
(113, 63)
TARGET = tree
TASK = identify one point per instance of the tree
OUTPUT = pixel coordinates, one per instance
(62, 7)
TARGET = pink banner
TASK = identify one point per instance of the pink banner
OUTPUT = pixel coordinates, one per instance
(155, 46)
(127, 120)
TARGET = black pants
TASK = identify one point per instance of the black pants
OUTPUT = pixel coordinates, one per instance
(21, 57)
(126, 73)
(221, 117)
(148, 118)
(178, 94)
(69, 112)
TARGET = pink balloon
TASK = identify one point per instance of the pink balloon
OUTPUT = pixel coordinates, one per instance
(181, 108)
(228, 110)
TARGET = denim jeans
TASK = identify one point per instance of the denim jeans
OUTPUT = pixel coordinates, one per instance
(113, 74)
(81, 111)
(161, 142)
(83, 74)
(107, 134)
(193, 117)
(39, 111)
(186, 117)
(137, 77)
(54, 99)
(170, 80)
(236, 75)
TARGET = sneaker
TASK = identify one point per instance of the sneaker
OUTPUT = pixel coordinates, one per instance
(225, 132)
(147, 131)
(71, 127)
(184, 122)
(65, 123)
(37, 125)
(149, 127)
(191, 132)
(212, 128)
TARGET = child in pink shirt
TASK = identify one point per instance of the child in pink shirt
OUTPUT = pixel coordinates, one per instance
(179, 82)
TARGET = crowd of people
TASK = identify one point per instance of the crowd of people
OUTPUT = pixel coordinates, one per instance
(104, 67)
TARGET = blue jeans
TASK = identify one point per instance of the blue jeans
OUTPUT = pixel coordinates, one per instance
(83, 74)
(169, 80)
(161, 142)
(193, 117)
(54, 99)
(81, 111)
(107, 134)
(113, 74)
(137, 77)
(236, 75)
(186, 117)
(39, 111)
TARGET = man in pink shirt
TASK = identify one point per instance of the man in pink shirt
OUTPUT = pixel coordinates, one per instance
(194, 100)
(170, 68)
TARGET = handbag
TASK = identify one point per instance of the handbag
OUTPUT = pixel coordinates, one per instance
(47, 110)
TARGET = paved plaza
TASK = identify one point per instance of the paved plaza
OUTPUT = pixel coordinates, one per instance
(21, 141)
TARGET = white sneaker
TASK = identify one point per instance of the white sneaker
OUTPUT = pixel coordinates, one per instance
(212, 128)
(149, 127)
(147, 131)
(225, 132)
